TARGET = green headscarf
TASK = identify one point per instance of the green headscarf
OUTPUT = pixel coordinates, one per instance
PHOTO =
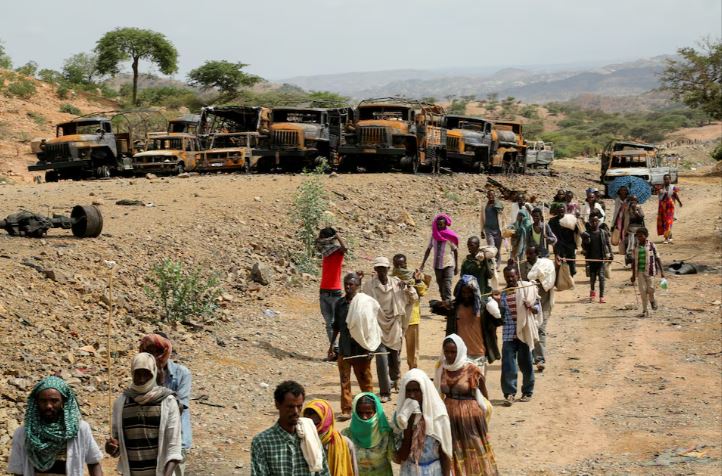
(368, 433)
(43, 440)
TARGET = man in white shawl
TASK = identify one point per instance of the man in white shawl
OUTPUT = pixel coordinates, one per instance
(519, 308)
(393, 295)
(542, 272)
(423, 420)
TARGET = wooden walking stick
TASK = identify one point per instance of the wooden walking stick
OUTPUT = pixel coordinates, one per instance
(509, 289)
(110, 265)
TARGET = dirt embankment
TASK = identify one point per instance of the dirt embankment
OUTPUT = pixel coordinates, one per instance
(619, 397)
(23, 120)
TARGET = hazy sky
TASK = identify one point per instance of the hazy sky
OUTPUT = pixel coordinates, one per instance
(283, 38)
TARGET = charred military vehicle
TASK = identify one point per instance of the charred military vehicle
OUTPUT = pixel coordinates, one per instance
(231, 137)
(508, 149)
(86, 146)
(170, 153)
(301, 137)
(187, 124)
(468, 143)
(97, 145)
(539, 154)
(394, 133)
(624, 158)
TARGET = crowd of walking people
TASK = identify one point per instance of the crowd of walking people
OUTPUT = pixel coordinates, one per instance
(440, 425)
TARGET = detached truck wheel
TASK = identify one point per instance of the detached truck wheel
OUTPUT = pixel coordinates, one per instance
(87, 221)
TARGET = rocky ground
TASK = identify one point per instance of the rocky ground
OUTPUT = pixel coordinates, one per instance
(621, 395)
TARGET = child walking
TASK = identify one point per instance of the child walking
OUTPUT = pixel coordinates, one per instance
(598, 250)
(646, 266)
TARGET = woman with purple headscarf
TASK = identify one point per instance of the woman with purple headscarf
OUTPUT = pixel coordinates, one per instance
(444, 242)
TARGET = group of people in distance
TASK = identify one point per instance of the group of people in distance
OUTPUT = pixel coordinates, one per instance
(151, 427)
(441, 425)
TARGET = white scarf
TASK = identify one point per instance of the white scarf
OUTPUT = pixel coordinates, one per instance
(544, 272)
(462, 359)
(432, 407)
(362, 321)
(311, 446)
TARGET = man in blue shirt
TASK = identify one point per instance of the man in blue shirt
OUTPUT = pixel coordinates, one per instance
(176, 377)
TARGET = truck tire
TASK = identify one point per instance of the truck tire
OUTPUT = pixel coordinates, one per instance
(51, 176)
(410, 164)
(87, 221)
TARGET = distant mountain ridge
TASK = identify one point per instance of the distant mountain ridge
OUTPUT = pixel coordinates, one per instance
(534, 84)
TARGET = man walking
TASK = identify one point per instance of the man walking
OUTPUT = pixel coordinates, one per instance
(177, 378)
(351, 355)
(492, 222)
(598, 252)
(54, 438)
(278, 451)
(413, 311)
(519, 309)
(393, 295)
(566, 246)
(644, 269)
(146, 429)
(540, 271)
(478, 265)
(332, 249)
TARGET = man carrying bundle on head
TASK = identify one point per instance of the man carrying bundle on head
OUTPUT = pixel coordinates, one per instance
(54, 439)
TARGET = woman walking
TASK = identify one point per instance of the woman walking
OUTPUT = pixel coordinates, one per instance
(425, 446)
(371, 434)
(621, 203)
(665, 212)
(340, 451)
(466, 398)
(444, 242)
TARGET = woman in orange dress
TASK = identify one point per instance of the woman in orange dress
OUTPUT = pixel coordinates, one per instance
(665, 212)
(462, 385)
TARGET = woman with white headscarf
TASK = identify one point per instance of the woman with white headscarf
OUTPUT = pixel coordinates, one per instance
(461, 382)
(146, 428)
(421, 417)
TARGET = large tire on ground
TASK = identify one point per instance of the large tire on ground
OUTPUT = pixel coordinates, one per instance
(51, 176)
(87, 221)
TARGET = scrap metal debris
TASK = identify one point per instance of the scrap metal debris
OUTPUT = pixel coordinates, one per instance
(85, 221)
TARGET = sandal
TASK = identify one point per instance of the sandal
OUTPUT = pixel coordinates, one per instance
(525, 398)
(508, 400)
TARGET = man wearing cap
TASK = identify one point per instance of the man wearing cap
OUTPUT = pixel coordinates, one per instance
(393, 295)
(54, 439)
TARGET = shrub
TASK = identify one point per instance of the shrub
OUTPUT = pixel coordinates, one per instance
(308, 212)
(49, 76)
(22, 88)
(70, 109)
(62, 92)
(182, 293)
(28, 69)
(717, 152)
(39, 119)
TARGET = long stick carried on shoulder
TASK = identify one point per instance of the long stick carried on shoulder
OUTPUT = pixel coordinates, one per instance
(509, 289)
(367, 356)
(110, 265)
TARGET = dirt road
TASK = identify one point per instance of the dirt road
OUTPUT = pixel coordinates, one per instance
(620, 394)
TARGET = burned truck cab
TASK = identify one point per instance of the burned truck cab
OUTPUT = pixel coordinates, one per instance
(508, 148)
(394, 133)
(231, 137)
(468, 143)
(299, 138)
(85, 146)
(171, 153)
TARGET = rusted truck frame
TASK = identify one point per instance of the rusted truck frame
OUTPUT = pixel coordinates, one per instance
(92, 146)
(170, 153)
(625, 158)
(395, 133)
(468, 143)
(231, 137)
(302, 137)
(508, 149)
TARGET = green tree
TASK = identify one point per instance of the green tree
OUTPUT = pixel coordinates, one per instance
(135, 44)
(327, 99)
(81, 68)
(49, 75)
(228, 78)
(696, 77)
(28, 69)
(5, 61)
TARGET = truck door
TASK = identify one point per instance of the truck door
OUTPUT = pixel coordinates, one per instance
(659, 167)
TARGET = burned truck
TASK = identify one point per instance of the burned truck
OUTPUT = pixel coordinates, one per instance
(302, 137)
(394, 133)
(633, 159)
(508, 149)
(170, 153)
(231, 137)
(97, 145)
(468, 143)
(187, 124)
